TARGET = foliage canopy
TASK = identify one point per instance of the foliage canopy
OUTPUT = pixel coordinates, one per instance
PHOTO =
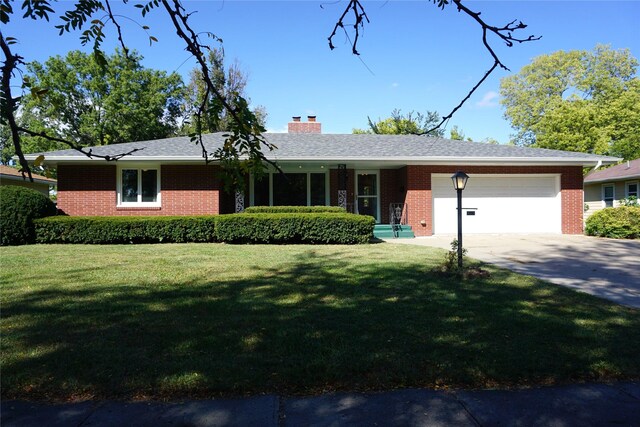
(577, 101)
(405, 124)
(84, 102)
(231, 83)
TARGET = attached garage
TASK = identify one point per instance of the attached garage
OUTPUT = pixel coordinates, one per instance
(499, 204)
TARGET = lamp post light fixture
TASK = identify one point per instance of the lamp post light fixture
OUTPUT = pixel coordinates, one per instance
(459, 182)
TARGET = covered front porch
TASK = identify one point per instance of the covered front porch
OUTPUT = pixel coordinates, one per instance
(363, 189)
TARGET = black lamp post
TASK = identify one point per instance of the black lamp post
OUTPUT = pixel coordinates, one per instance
(459, 182)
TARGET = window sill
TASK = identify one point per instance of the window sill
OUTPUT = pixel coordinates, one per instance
(138, 208)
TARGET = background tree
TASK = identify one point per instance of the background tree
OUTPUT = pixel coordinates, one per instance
(405, 124)
(578, 101)
(490, 140)
(230, 82)
(457, 134)
(242, 152)
(93, 105)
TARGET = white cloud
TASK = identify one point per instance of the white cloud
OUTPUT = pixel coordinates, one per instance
(394, 85)
(490, 99)
(283, 129)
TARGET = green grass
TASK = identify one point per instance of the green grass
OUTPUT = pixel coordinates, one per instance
(201, 320)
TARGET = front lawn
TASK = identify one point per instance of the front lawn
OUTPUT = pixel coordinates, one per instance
(202, 320)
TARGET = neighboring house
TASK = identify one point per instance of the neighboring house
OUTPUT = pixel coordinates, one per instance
(511, 189)
(11, 176)
(606, 187)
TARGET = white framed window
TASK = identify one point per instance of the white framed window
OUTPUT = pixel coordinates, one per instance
(631, 189)
(608, 195)
(139, 186)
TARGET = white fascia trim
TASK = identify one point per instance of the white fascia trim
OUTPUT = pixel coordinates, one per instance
(123, 159)
(392, 160)
(471, 161)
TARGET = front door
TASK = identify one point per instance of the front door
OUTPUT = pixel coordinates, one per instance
(367, 194)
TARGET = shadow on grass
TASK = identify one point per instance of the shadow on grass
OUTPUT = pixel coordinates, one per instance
(316, 322)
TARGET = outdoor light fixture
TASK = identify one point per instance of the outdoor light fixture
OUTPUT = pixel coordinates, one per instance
(459, 182)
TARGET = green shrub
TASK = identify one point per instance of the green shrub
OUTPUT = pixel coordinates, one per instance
(630, 201)
(337, 228)
(327, 228)
(619, 223)
(110, 230)
(295, 209)
(19, 206)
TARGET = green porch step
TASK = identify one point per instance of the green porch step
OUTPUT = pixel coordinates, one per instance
(385, 231)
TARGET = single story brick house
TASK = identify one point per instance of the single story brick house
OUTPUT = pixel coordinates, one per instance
(11, 176)
(510, 189)
(607, 187)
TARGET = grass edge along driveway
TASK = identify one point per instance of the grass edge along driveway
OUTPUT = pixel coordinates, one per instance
(202, 320)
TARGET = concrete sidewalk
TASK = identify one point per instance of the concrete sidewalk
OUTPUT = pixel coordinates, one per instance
(573, 405)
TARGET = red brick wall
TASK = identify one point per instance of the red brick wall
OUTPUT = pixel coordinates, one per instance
(420, 204)
(392, 190)
(91, 190)
(87, 190)
(304, 127)
(190, 190)
(572, 200)
(418, 199)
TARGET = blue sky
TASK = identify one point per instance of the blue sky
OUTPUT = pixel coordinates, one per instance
(414, 56)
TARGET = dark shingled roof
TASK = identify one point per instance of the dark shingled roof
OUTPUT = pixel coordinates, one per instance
(353, 147)
(624, 170)
(7, 172)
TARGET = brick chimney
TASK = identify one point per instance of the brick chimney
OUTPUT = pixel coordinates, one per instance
(310, 126)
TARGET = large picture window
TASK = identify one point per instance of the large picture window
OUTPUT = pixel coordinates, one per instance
(139, 187)
(291, 189)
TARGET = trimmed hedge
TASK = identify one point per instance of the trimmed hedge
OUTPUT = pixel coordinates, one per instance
(110, 230)
(336, 228)
(295, 209)
(618, 223)
(19, 207)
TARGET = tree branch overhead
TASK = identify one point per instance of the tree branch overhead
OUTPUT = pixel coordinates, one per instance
(504, 33)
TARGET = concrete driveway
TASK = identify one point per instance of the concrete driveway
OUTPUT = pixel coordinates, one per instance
(607, 268)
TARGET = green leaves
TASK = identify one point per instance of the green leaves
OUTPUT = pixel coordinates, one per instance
(6, 10)
(622, 222)
(76, 18)
(33, 9)
(75, 98)
(405, 124)
(577, 101)
(146, 7)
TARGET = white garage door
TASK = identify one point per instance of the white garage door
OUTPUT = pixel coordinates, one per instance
(503, 204)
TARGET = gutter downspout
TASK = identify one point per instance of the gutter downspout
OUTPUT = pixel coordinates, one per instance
(598, 165)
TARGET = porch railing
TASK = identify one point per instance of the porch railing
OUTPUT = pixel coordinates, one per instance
(398, 216)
